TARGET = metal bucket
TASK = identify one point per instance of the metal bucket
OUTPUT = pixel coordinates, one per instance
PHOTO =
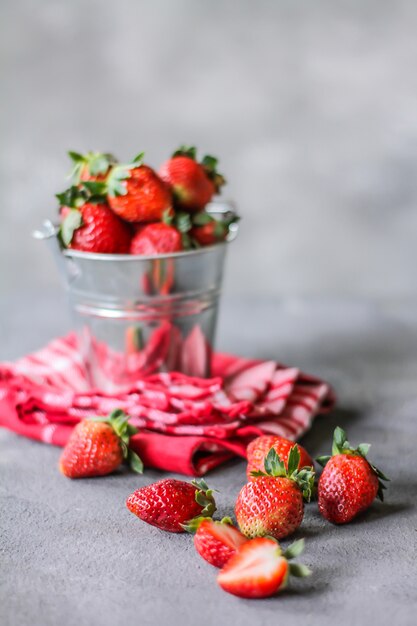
(138, 315)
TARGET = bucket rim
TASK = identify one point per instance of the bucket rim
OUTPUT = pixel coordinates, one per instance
(96, 256)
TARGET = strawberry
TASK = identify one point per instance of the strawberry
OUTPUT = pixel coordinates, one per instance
(170, 504)
(273, 504)
(93, 166)
(136, 193)
(97, 447)
(156, 238)
(209, 234)
(259, 448)
(260, 568)
(88, 224)
(193, 184)
(349, 483)
(216, 542)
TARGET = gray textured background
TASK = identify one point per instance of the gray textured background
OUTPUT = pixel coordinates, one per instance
(312, 107)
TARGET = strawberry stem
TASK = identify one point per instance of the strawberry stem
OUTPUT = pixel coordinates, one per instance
(303, 477)
(119, 421)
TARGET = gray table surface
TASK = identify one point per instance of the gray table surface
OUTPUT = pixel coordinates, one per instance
(71, 553)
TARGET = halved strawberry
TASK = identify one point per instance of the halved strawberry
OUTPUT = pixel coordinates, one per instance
(260, 568)
(216, 542)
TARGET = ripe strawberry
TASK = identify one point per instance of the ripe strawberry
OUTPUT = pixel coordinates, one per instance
(273, 504)
(349, 483)
(156, 238)
(95, 228)
(87, 222)
(93, 166)
(136, 193)
(169, 504)
(97, 447)
(193, 184)
(216, 542)
(259, 448)
(210, 233)
(260, 569)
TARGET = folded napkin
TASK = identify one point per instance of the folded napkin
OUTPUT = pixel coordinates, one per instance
(186, 424)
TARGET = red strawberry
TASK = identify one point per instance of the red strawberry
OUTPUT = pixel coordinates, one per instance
(207, 230)
(97, 447)
(259, 448)
(349, 483)
(136, 193)
(209, 234)
(260, 569)
(273, 504)
(93, 166)
(156, 238)
(193, 184)
(94, 228)
(169, 504)
(216, 542)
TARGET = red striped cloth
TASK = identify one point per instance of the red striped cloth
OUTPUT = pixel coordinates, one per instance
(186, 424)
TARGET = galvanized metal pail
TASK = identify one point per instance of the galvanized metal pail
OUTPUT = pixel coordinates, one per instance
(137, 315)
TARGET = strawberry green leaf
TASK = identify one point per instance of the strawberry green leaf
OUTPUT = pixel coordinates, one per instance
(305, 481)
(167, 217)
(116, 180)
(183, 222)
(135, 462)
(95, 188)
(340, 442)
(304, 477)
(299, 571)
(273, 464)
(75, 156)
(293, 459)
(99, 163)
(209, 163)
(295, 549)
(186, 241)
(204, 497)
(188, 151)
(138, 159)
(201, 219)
(322, 460)
(70, 224)
(220, 230)
(363, 449)
(73, 197)
(193, 524)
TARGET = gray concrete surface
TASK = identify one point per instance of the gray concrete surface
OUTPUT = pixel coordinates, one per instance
(310, 105)
(71, 553)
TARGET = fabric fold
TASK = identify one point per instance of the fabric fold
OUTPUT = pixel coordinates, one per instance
(186, 424)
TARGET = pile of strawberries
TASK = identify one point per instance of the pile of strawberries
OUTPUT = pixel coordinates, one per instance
(118, 208)
(268, 508)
